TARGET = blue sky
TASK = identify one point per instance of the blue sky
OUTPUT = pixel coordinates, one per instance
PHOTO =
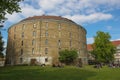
(93, 15)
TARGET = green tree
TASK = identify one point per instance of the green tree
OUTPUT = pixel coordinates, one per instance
(103, 49)
(1, 46)
(68, 56)
(8, 6)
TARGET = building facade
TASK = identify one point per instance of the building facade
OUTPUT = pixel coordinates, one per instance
(39, 39)
(116, 55)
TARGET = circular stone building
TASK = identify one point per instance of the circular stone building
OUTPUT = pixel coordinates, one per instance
(38, 40)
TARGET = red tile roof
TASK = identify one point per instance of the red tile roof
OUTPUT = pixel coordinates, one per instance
(47, 17)
(115, 43)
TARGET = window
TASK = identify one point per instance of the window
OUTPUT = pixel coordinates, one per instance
(15, 29)
(59, 42)
(46, 41)
(59, 26)
(21, 60)
(46, 33)
(46, 59)
(46, 25)
(33, 42)
(70, 43)
(22, 35)
(32, 50)
(21, 51)
(23, 27)
(34, 25)
(14, 36)
(46, 50)
(22, 43)
(70, 35)
(34, 33)
(59, 34)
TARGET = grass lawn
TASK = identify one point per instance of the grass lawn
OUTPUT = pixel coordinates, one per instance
(66, 73)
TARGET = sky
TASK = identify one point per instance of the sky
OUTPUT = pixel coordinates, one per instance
(93, 15)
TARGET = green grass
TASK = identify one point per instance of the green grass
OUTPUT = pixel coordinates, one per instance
(66, 73)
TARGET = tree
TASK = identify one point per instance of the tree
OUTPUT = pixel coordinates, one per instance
(1, 46)
(8, 6)
(68, 56)
(103, 49)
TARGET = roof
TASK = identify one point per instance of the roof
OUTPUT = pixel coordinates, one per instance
(47, 17)
(115, 43)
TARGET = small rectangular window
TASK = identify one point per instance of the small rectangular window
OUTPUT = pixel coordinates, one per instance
(22, 35)
(59, 42)
(46, 25)
(21, 51)
(22, 43)
(32, 50)
(46, 50)
(70, 43)
(46, 59)
(59, 26)
(34, 25)
(33, 42)
(14, 36)
(21, 60)
(46, 41)
(23, 27)
(46, 33)
(34, 33)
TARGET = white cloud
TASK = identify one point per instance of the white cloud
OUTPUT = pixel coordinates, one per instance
(28, 10)
(80, 11)
(90, 40)
(109, 27)
(15, 17)
(89, 18)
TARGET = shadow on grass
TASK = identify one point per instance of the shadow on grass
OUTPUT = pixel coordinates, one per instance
(46, 73)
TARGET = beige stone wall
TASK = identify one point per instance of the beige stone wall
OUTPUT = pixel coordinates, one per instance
(36, 32)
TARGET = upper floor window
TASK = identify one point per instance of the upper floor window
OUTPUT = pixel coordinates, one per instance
(59, 26)
(59, 42)
(34, 25)
(22, 35)
(46, 25)
(46, 33)
(46, 41)
(21, 51)
(34, 33)
(33, 51)
(22, 43)
(23, 27)
(14, 36)
(33, 42)
(70, 43)
(15, 29)
(70, 34)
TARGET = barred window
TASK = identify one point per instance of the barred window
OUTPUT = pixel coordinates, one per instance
(33, 51)
(46, 50)
(46, 41)
(33, 41)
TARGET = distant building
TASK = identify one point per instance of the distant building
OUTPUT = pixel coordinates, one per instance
(116, 55)
(39, 39)
(2, 62)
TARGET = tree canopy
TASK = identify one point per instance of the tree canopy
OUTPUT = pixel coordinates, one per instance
(8, 6)
(68, 56)
(103, 49)
(1, 46)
